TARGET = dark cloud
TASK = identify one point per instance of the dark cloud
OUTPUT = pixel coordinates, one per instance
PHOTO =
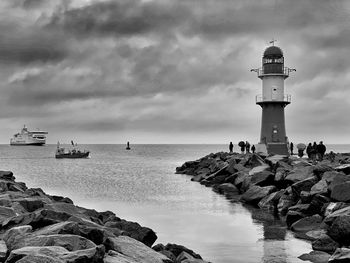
(31, 45)
(119, 18)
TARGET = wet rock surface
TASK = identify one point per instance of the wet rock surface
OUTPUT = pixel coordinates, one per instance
(312, 198)
(37, 227)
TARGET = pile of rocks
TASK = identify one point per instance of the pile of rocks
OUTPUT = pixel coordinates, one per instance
(37, 227)
(313, 199)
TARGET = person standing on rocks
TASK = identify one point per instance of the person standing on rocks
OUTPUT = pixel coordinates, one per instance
(241, 144)
(314, 152)
(321, 149)
(247, 146)
(309, 150)
(230, 147)
(253, 149)
(291, 148)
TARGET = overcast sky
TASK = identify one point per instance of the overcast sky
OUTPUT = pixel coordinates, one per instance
(170, 71)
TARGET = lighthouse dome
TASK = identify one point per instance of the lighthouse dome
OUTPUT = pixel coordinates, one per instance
(273, 51)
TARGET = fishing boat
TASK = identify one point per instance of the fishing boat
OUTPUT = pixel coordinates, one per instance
(26, 137)
(73, 153)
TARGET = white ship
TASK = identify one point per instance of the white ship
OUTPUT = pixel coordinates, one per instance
(26, 137)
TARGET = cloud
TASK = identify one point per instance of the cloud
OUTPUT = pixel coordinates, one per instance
(120, 18)
(25, 48)
(171, 67)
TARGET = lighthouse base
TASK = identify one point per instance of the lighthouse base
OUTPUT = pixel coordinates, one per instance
(278, 148)
(273, 148)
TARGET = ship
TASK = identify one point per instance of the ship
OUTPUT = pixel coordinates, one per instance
(70, 153)
(26, 137)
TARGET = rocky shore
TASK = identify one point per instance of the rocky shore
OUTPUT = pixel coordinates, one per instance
(41, 228)
(312, 198)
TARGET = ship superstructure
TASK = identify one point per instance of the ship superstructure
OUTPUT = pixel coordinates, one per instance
(26, 137)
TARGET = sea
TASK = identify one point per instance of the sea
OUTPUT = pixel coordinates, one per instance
(141, 185)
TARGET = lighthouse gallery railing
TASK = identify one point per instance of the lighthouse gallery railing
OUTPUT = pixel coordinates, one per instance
(286, 98)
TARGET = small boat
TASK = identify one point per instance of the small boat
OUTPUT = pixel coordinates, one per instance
(71, 153)
(127, 146)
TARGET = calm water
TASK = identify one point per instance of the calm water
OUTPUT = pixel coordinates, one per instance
(140, 185)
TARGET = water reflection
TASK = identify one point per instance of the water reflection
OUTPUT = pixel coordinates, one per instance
(274, 235)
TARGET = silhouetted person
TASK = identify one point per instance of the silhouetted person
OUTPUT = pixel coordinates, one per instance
(253, 148)
(321, 149)
(309, 150)
(313, 152)
(247, 146)
(242, 145)
(127, 146)
(301, 147)
(291, 148)
(230, 147)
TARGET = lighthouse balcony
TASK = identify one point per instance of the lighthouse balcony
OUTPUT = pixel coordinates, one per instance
(285, 99)
(284, 71)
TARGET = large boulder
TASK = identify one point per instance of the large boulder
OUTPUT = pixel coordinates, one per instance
(341, 192)
(57, 253)
(255, 193)
(136, 250)
(316, 257)
(307, 224)
(343, 212)
(134, 230)
(340, 178)
(299, 173)
(15, 235)
(259, 169)
(176, 250)
(115, 257)
(345, 168)
(321, 168)
(228, 189)
(340, 230)
(341, 255)
(36, 219)
(293, 216)
(304, 185)
(240, 178)
(6, 213)
(31, 204)
(270, 201)
(185, 257)
(325, 243)
(69, 242)
(329, 176)
(321, 187)
(96, 234)
(286, 200)
(218, 177)
(262, 178)
(332, 207)
(7, 175)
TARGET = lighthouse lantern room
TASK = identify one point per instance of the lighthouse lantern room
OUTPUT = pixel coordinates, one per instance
(273, 138)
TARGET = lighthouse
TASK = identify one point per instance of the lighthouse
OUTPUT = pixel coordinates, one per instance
(273, 100)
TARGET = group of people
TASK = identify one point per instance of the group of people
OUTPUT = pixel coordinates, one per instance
(314, 151)
(245, 146)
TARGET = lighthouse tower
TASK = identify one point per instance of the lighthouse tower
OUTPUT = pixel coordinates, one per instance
(273, 139)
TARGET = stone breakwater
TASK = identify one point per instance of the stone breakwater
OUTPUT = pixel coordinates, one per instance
(41, 228)
(313, 199)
